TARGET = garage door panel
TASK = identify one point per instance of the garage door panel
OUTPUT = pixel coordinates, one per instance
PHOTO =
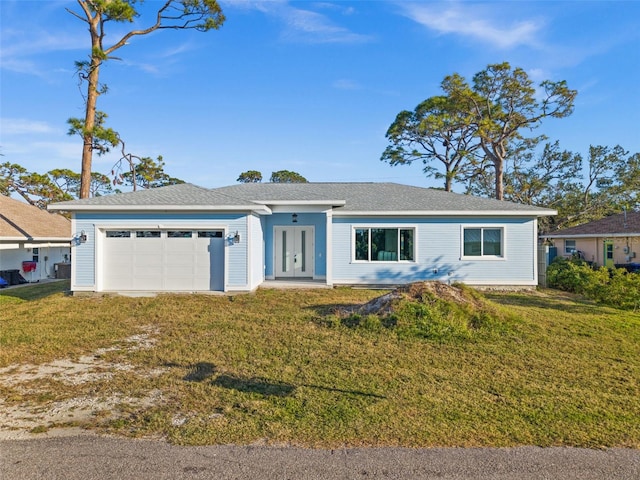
(180, 259)
(160, 262)
(147, 271)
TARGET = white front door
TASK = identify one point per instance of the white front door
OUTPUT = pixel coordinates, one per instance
(294, 251)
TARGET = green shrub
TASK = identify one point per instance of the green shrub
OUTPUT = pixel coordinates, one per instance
(615, 287)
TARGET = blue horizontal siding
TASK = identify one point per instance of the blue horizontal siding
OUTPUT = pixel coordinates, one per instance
(84, 255)
(317, 220)
(438, 253)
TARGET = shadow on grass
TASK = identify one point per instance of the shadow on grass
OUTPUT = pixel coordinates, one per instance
(36, 291)
(200, 372)
(341, 390)
(205, 372)
(254, 385)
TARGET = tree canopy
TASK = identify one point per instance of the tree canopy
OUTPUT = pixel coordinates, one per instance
(62, 184)
(286, 176)
(250, 176)
(200, 15)
(281, 176)
(488, 116)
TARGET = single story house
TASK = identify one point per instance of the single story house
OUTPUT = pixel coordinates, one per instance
(33, 242)
(189, 238)
(610, 241)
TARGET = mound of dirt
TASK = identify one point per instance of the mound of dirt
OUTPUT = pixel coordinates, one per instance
(419, 291)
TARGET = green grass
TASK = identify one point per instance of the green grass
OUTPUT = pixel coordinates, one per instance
(269, 367)
(32, 292)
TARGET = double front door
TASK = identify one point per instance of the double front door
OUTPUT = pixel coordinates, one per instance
(294, 251)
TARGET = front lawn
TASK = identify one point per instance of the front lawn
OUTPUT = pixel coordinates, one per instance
(271, 367)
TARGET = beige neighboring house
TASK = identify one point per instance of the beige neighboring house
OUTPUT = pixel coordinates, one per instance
(610, 241)
(29, 234)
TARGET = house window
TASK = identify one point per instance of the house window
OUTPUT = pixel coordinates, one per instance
(569, 247)
(36, 255)
(384, 244)
(483, 242)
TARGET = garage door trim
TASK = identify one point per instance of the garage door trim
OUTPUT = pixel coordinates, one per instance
(101, 247)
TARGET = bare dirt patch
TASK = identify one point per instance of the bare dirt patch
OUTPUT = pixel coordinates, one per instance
(29, 418)
(419, 291)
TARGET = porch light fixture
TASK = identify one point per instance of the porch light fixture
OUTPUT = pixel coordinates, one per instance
(294, 218)
(83, 237)
(236, 237)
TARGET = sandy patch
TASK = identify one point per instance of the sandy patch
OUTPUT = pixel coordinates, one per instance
(22, 420)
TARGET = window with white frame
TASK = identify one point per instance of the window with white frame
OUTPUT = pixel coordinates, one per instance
(384, 244)
(569, 247)
(483, 242)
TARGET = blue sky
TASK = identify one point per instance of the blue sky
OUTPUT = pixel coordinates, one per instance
(308, 86)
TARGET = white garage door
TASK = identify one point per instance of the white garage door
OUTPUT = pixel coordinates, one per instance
(163, 260)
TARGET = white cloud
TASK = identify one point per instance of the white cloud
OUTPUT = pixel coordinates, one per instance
(475, 21)
(20, 48)
(304, 25)
(22, 126)
(346, 84)
(312, 27)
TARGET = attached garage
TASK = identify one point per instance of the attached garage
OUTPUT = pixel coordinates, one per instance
(163, 260)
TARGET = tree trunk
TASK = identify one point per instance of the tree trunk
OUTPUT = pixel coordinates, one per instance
(90, 112)
(499, 166)
(447, 180)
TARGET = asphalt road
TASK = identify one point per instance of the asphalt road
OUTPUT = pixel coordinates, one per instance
(104, 458)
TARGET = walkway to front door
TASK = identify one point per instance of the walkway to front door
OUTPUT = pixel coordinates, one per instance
(294, 248)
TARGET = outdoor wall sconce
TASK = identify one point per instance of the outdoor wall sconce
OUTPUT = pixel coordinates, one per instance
(83, 237)
(236, 237)
(294, 218)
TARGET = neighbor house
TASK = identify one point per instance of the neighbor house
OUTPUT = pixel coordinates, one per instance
(610, 241)
(33, 242)
(188, 238)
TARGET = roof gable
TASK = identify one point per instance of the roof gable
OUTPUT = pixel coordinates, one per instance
(20, 220)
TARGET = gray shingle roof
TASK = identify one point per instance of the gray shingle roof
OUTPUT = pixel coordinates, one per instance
(612, 225)
(345, 197)
(184, 194)
(378, 197)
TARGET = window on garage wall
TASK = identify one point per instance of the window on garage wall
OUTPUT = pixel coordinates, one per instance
(179, 234)
(148, 234)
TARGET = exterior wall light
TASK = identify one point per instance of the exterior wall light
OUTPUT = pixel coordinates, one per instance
(236, 237)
